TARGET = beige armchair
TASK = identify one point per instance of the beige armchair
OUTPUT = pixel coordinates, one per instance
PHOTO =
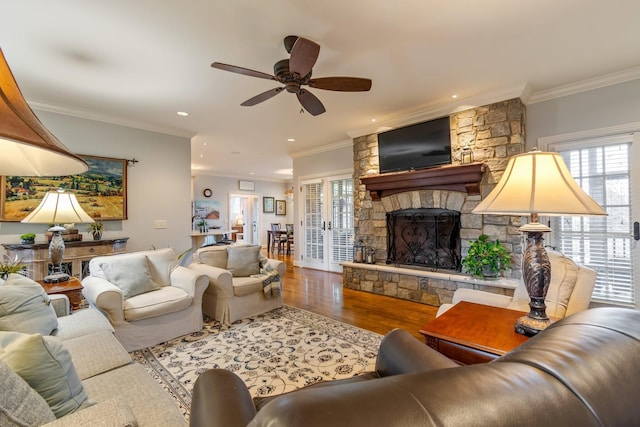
(147, 296)
(241, 282)
(569, 291)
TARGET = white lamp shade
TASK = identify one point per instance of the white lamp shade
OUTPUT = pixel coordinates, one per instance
(538, 183)
(58, 207)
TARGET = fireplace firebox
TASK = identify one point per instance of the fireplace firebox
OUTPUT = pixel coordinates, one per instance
(424, 237)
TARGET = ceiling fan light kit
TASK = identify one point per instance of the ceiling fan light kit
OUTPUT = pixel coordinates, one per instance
(295, 72)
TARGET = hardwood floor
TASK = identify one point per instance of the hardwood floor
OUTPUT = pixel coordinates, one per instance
(322, 293)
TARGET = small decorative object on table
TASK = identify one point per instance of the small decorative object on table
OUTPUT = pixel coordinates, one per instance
(96, 229)
(28, 238)
(486, 258)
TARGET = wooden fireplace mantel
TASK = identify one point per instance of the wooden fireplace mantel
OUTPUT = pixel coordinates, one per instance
(465, 178)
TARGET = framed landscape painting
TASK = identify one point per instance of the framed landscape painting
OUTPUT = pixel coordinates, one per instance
(101, 191)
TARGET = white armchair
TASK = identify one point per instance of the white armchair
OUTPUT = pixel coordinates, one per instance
(236, 287)
(147, 296)
(569, 291)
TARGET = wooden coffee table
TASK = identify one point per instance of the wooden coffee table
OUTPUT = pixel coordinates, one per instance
(473, 333)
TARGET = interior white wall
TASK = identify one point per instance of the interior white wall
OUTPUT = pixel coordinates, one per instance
(158, 186)
(222, 187)
(608, 106)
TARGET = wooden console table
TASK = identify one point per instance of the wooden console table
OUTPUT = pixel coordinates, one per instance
(75, 261)
(474, 333)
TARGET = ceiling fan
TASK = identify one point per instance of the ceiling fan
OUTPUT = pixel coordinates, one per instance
(295, 72)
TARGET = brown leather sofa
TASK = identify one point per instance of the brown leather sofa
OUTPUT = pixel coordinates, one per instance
(582, 371)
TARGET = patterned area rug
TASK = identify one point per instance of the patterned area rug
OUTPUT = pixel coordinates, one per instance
(273, 353)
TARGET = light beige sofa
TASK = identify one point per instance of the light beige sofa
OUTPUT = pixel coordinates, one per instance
(118, 392)
(236, 289)
(569, 291)
(169, 307)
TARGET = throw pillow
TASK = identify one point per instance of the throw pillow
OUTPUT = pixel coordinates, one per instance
(45, 364)
(25, 307)
(130, 273)
(215, 256)
(20, 405)
(243, 261)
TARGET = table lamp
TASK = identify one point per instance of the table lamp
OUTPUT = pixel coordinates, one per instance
(57, 207)
(537, 183)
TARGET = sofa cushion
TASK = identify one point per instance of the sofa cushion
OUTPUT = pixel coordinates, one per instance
(20, 405)
(243, 261)
(130, 273)
(82, 322)
(95, 353)
(45, 364)
(564, 274)
(215, 256)
(25, 307)
(161, 263)
(167, 299)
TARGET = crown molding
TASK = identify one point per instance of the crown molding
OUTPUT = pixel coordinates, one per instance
(586, 85)
(409, 117)
(322, 149)
(108, 119)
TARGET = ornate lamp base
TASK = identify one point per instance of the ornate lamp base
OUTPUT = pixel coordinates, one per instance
(529, 326)
(56, 252)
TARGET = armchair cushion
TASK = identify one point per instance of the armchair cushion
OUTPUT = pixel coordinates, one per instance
(131, 274)
(45, 364)
(243, 261)
(25, 307)
(167, 299)
(563, 280)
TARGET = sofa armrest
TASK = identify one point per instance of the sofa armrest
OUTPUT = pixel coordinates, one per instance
(218, 277)
(277, 265)
(105, 296)
(481, 297)
(60, 304)
(230, 406)
(191, 281)
(400, 353)
(110, 413)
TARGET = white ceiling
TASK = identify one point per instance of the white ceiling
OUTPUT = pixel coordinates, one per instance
(138, 62)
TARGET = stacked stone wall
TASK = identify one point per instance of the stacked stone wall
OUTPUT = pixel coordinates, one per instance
(493, 134)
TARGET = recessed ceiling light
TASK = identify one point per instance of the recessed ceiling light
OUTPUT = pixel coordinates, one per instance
(182, 113)
(373, 120)
(204, 143)
(291, 139)
(454, 96)
(201, 155)
(252, 173)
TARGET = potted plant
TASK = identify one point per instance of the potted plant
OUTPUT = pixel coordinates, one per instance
(96, 228)
(10, 265)
(28, 238)
(486, 258)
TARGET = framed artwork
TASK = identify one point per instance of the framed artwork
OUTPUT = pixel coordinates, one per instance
(101, 191)
(207, 209)
(267, 205)
(281, 207)
(246, 185)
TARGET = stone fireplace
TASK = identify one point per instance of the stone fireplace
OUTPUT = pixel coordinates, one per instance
(424, 237)
(493, 133)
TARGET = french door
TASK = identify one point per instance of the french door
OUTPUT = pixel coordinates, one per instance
(327, 222)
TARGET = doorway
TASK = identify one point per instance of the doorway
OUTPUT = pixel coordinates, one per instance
(244, 217)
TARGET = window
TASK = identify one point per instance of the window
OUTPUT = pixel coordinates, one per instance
(602, 168)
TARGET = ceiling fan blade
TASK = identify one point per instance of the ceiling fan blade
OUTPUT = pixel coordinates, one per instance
(342, 84)
(304, 54)
(240, 70)
(310, 102)
(262, 97)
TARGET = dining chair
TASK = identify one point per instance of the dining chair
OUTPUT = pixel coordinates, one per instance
(278, 237)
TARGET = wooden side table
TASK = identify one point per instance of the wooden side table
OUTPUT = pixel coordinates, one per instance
(474, 333)
(72, 288)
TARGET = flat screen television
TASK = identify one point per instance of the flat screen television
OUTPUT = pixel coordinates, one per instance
(419, 146)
